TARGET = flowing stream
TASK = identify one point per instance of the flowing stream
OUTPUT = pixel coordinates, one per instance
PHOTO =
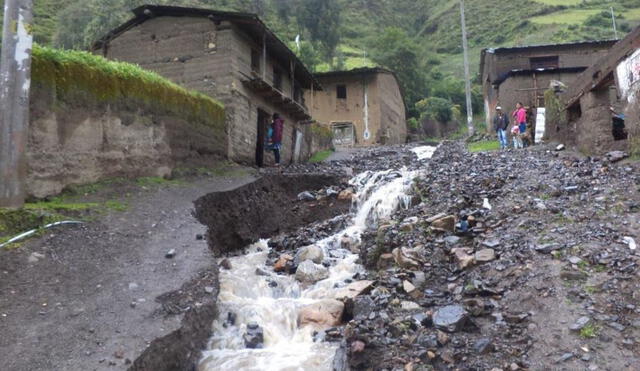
(274, 301)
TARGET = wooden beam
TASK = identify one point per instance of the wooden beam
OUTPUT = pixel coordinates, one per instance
(293, 79)
(264, 57)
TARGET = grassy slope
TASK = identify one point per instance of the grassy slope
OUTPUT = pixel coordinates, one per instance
(435, 23)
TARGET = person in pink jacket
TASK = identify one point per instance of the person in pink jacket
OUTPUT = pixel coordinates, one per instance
(520, 121)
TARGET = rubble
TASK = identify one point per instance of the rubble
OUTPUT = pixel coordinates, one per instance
(309, 272)
(323, 314)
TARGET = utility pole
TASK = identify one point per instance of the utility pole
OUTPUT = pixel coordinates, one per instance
(615, 27)
(467, 77)
(15, 81)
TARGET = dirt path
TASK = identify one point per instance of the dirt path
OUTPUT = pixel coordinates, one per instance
(90, 302)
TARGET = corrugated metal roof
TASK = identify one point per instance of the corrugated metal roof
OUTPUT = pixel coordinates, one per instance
(543, 46)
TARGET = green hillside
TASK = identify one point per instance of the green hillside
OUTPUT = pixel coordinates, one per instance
(419, 38)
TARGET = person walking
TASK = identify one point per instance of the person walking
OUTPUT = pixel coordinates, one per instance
(275, 142)
(500, 125)
(520, 117)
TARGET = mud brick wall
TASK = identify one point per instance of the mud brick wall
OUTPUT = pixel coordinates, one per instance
(386, 116)
(80, 141)
(393, 118)
(214, 59)
(496, 65)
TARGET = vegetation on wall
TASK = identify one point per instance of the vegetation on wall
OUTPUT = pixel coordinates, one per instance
(555, 111)
(77, 73)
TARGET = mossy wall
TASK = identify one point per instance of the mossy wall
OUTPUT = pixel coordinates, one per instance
(557, 127)
(76, 74)
(92, 119)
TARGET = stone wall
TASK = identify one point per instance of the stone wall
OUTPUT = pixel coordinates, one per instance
(79, 140)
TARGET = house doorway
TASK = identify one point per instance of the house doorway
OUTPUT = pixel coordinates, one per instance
(343, 134)
(263, 127)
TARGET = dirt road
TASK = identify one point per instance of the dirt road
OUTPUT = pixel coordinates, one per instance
(90, 302)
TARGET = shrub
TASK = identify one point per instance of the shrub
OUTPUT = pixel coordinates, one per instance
(435, 108)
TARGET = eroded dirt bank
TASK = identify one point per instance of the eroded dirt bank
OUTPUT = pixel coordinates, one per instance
(267, 207)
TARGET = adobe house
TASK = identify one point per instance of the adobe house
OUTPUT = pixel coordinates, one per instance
(231, 56)
(363, 107)
(524, 73)
(585, 119)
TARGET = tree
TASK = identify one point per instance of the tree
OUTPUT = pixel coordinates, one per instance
(321, 18)
(435, 108)
(396, 51)
(308, 54)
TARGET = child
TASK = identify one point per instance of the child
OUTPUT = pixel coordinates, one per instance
(515, 133)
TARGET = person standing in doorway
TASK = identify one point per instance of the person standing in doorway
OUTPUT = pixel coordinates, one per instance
(500, 125)
(520, 116)
(277, 127)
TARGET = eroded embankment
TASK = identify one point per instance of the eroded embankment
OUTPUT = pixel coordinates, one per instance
(234, 220)
(265, 208)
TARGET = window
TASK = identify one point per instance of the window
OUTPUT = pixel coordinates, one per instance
(277, 78)
(544, 62)
(255, 60)
(341, 91)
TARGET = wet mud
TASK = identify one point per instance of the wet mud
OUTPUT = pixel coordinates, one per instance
(265, 208)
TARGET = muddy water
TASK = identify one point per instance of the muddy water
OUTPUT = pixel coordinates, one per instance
(273, 302)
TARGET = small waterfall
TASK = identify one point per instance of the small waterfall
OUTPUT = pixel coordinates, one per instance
(273, 301)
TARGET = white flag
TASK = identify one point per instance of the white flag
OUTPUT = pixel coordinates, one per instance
(298, 42)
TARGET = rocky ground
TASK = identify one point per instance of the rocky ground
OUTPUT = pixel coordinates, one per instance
(517, 260)
(505, 261)
(545, 277)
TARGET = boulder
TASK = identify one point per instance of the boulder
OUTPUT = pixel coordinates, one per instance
(313, 253)
(306, 196)
(346, 195)
(436, 217)
(408, 287)
(323, 314)
(451, 240)
(363, 306)
(616, 156)
(350, 243)
(445, 224)
(385, 261)
(463, 257)
(254, 337)
(281, 263)
(580, 324)
(485, 255)
(309, 272)
(409, 305)
(419, 279)
(353, 290)
(409, 224)
(407, 258)
(451, 318)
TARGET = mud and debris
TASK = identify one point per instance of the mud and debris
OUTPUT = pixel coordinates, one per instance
(519, 283)
(501, 261)
(267, 207)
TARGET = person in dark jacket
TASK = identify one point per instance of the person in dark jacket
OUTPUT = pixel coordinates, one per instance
(277, 126)
(500, 125)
